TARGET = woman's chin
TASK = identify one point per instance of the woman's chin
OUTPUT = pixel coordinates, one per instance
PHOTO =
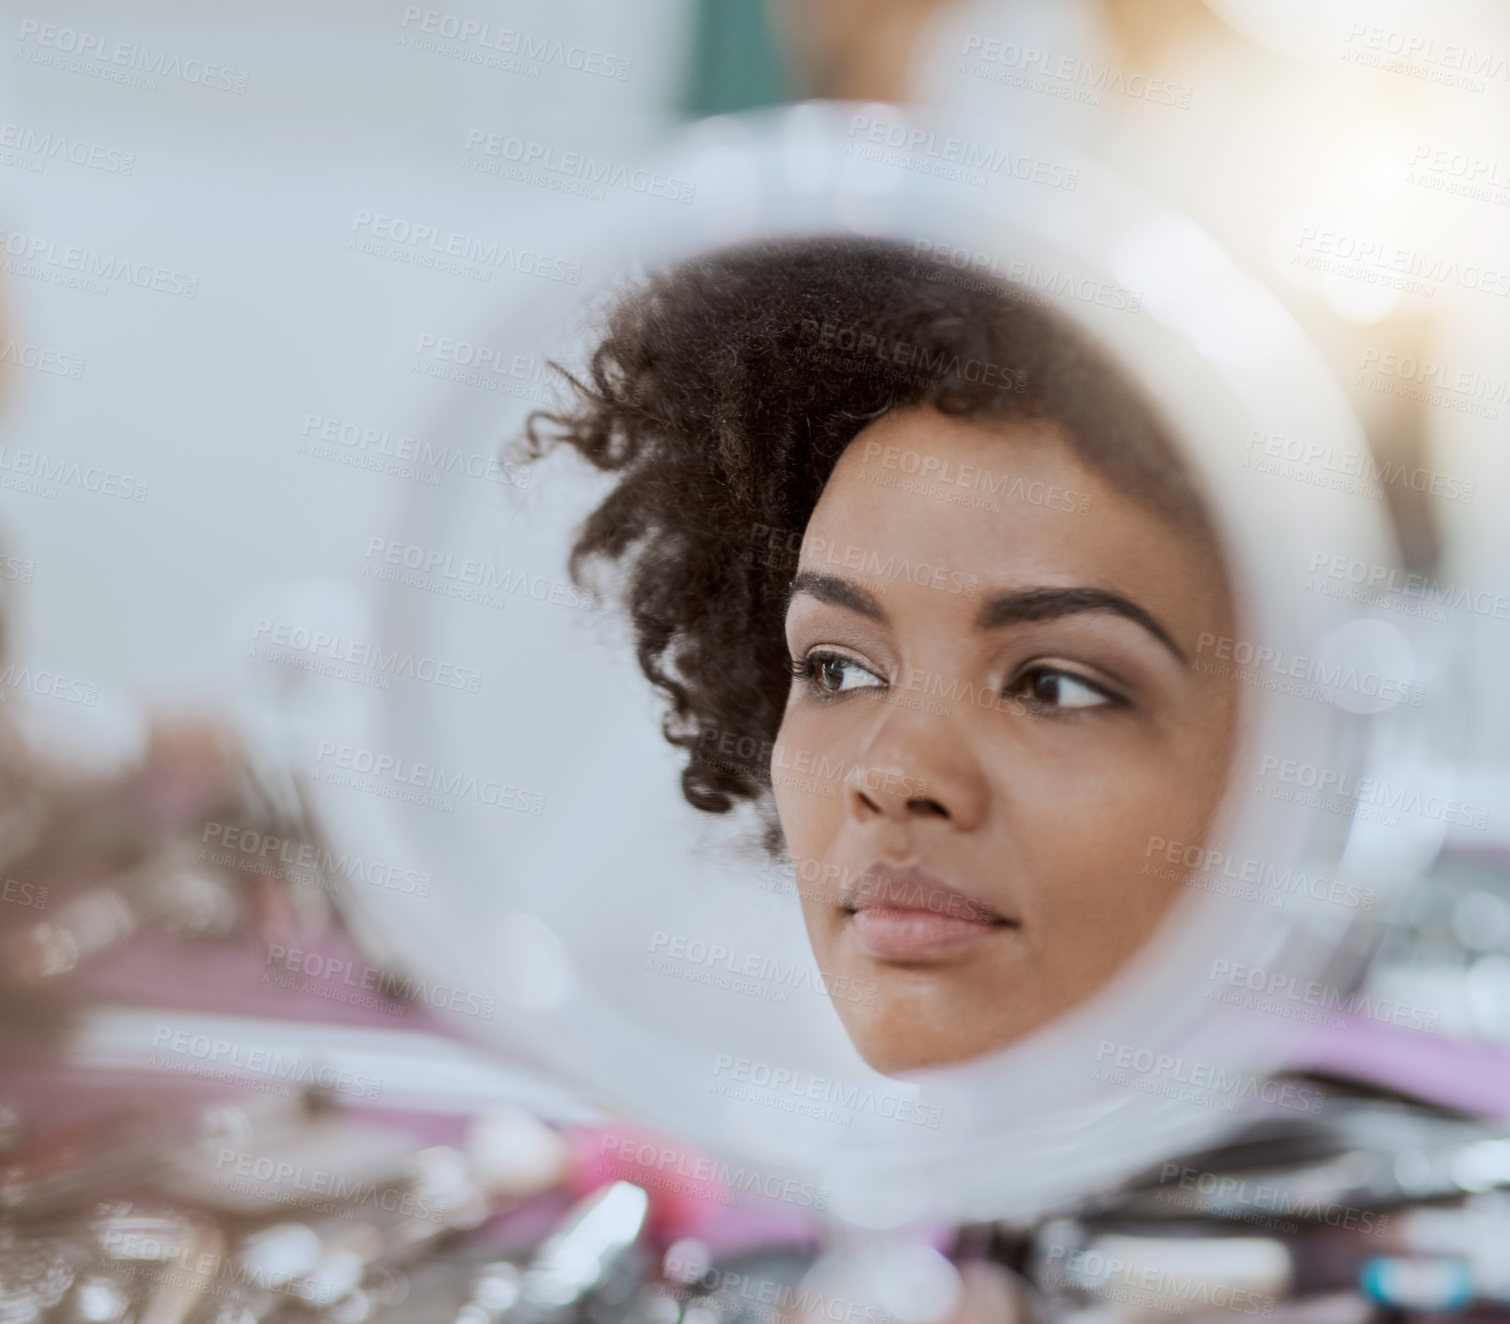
(897, 1042)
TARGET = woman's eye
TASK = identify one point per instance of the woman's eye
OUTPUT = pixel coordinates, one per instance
(834, 673)
(1059, 689)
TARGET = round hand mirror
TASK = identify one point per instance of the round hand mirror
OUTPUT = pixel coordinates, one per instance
(850, 728)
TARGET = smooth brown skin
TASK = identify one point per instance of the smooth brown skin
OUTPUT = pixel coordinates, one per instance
(1041, 805)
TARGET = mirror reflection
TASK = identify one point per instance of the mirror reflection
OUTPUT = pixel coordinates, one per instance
(920, 575)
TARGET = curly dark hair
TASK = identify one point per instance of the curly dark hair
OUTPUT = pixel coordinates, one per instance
(723, 391)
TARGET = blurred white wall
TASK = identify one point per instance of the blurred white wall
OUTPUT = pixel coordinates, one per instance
(254, 195)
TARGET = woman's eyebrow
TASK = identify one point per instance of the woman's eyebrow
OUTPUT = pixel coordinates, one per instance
(1044, 604)
(837, 591)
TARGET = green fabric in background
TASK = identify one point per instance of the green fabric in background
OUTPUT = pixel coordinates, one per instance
(735, 61)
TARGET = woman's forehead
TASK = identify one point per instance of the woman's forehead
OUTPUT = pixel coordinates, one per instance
(979, 489)
(925, 499)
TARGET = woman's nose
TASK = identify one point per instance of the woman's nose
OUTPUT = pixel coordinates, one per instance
(918, 766)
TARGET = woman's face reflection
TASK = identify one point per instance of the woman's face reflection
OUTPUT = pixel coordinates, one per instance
(995, 710)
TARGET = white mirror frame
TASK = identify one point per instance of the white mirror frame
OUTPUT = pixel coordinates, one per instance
(1039, 1122)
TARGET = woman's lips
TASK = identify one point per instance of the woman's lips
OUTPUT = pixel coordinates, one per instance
(891, 933)
(905, 914)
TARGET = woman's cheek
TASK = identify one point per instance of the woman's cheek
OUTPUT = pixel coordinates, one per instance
(807, 765)
(786, 757)
(1093, 810)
